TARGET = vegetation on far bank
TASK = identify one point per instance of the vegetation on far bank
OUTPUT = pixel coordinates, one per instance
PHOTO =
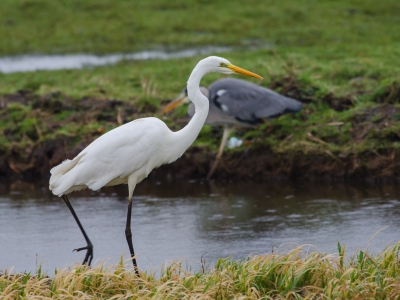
(294, 274)
(103, 26)
(338, 58)
(351, 111)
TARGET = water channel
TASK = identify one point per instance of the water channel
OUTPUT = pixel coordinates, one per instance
(32, 62)
(185, 220)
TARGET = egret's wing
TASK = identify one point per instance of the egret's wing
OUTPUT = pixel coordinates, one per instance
(126, 149)
(116, 154)
(248, 102)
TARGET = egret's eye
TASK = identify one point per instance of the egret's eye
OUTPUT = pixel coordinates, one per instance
(222, 65)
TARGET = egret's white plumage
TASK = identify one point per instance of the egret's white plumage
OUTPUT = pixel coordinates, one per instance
(127, 154)
(133, 149)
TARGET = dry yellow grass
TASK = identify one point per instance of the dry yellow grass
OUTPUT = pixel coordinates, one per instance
(292, 275)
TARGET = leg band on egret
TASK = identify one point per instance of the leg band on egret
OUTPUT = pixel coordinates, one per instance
(89, 247)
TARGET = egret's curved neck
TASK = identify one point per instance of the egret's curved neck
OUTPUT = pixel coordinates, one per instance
(186, 136)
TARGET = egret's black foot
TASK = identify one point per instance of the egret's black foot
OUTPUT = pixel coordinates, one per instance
(89, 254)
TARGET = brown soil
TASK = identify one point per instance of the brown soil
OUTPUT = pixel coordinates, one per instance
(262, 163)
(253, 163)
(256, 162)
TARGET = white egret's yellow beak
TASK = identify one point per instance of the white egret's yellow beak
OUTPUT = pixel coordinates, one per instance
(174, 104)
(243, 71)
(183, 96)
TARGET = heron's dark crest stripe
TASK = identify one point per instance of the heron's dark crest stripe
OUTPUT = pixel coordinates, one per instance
(215, 101)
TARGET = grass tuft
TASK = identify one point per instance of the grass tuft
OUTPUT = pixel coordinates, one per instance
(294, 274)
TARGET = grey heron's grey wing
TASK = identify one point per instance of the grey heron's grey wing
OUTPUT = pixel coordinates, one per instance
(248, 102)
(216, 116)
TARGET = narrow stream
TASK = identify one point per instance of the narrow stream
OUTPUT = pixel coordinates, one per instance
(28, 63)
(187, 220)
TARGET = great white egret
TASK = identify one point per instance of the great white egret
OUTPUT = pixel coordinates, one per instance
(127, 154)
(236, 102)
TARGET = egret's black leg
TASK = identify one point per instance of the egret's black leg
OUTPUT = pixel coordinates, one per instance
(89, 247)
(128, 234)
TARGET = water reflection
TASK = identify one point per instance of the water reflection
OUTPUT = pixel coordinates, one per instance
(184, 220)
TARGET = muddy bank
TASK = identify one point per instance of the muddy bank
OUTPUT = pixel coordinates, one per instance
(254, 163)
(41, 131)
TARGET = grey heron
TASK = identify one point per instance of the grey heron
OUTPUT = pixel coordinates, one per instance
(236, 102)
(128, 153)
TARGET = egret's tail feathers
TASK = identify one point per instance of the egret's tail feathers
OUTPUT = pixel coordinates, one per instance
(57, 184)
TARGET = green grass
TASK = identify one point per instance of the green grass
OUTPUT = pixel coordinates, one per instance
(325, 80)
(294, 274)
(103, 26)
(340, 46)
(360, 69)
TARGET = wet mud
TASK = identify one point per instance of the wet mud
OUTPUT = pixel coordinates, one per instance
(61, 127)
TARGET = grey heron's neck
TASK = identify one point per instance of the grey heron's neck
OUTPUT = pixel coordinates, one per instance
(187, 135)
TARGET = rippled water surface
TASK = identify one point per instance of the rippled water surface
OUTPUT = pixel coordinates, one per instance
(190, 219)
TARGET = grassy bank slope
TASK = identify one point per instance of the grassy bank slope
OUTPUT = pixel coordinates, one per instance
(294, 275)
(339, 58)
(349, 126)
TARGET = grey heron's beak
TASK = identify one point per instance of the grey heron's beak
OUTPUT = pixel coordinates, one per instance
(174, 104)
(243, 71)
